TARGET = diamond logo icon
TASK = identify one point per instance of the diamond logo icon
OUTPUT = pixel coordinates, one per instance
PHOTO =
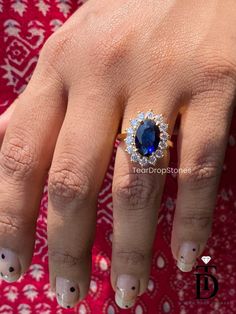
(206, 259)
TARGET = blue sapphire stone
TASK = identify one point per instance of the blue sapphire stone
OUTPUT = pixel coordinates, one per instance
(147, 138)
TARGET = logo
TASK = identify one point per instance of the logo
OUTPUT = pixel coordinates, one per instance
(206, 283)
(206, 259)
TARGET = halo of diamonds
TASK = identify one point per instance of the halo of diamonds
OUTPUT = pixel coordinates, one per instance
(131, 149)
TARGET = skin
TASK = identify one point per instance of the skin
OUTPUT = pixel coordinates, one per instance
(109, 60)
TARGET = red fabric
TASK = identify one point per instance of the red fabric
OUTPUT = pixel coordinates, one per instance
(24, 27)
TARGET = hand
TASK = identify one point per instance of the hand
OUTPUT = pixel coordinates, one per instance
(108, 61)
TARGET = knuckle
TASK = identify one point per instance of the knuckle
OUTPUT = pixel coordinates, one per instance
(66, 258)
(134, 191)
(132, 258)
(56, 48)
(109, 49)
(67, 183)
(90, 18)
(216, 72)
(112, 53)
(196, 220)
(17, 157)
(200, 175)
(10, 223)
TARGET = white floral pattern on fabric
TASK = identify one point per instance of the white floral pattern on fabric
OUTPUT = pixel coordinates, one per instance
(25, 25)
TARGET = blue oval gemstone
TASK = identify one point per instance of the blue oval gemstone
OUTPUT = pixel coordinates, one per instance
(147, 138)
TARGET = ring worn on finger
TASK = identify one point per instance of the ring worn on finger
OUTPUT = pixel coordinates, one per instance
(147, 138)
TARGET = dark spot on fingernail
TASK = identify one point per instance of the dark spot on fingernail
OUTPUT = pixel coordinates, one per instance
(133, 288)
(126, 306)
(11, 269)
(194, 250)
(182, 257)
(68, 306)
(2, 256)
(1, 274)
(58, 294)
(72, 289)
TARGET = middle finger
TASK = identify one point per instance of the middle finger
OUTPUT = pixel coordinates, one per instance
(80, 160)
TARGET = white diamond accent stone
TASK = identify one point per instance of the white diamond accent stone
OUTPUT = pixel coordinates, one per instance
(164, 136)
(152, 160)
(134, 123)
(158, 118)
(163, 145)
(143, 161)
(149, 115)
(134, 157)
(130, 131)
(129, 140)
(159, 153)
(130, 149)
(163, 127)
(141, 116)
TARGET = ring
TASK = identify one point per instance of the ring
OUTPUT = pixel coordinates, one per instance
(147, 138)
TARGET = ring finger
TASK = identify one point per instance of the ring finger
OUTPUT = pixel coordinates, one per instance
(136, 198)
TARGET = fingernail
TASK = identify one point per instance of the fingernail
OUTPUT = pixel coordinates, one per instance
(10, 268)
(127, 289)
(187, 256)
(67, 292)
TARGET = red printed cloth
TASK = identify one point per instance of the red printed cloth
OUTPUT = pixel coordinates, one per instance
(24, 27)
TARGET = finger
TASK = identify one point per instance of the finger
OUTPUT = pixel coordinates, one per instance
(4, 120)
(136, 198)
(24, 160)
(202, 140)
(80, 160)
